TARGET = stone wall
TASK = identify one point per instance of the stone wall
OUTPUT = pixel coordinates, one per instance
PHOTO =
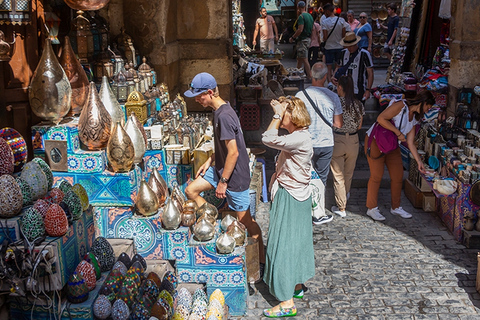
(464, 48)
(180, 38)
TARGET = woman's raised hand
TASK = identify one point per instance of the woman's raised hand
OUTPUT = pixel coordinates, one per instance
(278, 108)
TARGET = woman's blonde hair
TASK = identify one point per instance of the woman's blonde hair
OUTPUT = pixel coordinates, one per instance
(296, 107)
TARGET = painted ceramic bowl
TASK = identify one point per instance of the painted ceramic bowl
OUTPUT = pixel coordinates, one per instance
(46, 169)
(11, 199)
(26, 191)
(35, 177)
(17, 145)
(32, 224)
(6, 158)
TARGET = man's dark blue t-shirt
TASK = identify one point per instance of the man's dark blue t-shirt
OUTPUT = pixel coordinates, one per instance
(227, 127)
(392, 25)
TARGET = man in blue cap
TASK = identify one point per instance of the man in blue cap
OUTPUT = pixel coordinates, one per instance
(230, 175)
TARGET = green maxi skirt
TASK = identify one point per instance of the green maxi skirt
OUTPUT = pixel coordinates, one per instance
(290, 257)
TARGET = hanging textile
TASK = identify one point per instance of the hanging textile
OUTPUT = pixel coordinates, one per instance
(445, 11)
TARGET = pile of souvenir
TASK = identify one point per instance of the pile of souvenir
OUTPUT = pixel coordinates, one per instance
(238, 25)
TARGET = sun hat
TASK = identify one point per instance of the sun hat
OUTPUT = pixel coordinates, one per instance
(350, 39)
(201, 83)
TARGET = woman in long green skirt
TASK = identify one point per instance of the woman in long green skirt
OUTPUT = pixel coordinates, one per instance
(290, 259)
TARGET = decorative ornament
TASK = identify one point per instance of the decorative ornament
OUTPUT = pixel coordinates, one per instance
(162, 181)
(82, 194)
(77, 290)
(76, 76)
(103, 250)
(147, 200)
(95, 123)
(203, 231)
(88, 273)
(56, 223)
(46, 169)
(90, 258)
(32, 224)
(111, 103)
(171, 217)
(11, 198)
(120, 310)
(17, 145)
(6, 158)
(87, 5)
(74, 204)
(137, 138)
(236, 232)
(49, 92)
(120, 150)
(35, 177)
(209, 209)
(227, 221)
(157, 187)
(225, 244)
(102, 307)
(123, 257)
(26, 191)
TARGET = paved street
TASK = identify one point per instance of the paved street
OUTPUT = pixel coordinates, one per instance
(395, 269)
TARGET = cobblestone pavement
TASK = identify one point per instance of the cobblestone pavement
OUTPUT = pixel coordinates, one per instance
(395, 269)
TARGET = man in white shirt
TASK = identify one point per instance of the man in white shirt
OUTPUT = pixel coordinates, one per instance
(333, 48)
(329, 105)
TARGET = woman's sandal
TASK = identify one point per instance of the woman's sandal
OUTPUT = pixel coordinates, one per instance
(283, 312)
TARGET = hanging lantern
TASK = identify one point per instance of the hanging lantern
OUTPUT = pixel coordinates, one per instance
(136, 103)
(145, 71)
(119, 86)
(5, 47)
(82, 38)
(53, 23)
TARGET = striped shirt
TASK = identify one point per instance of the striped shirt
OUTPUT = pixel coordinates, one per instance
(358, 68)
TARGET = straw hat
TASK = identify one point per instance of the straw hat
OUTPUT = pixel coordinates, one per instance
(376, 53)
(350, 39)
(383, 14)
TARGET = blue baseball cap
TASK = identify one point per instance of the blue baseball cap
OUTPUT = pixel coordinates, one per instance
(201, 83)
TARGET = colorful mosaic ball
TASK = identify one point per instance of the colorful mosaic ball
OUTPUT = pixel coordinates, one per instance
(217, 295)
(11, 199)
(41, 206)
(88, 273)
(181, 312)
(26, 191)
(73, 202)
(183, 298)
(103, 250)
(128, 291)
(120, 267)
(120, 310)
(133, 273)
(160, 310)
(140, 259)
(56, 195)
(148, 293)
(6, 158)
(139, 312)
(165, 295)
(102, 307)
(82, 195)
(77, 289)
(108, 292)
(65, 186)
(123, 257)
(32, 224)
(90, 258)
(36, 178)
(46, 169)
(56, 223)
(66, 209)
(200, 308)
(170, 276)
(18, 146)
(199, 295)
(137, 268)
(114, 280)
(155, 278)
